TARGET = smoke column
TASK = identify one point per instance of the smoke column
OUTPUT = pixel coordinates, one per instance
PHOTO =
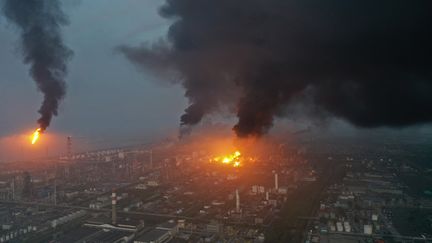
(40, 22)
(367, 62)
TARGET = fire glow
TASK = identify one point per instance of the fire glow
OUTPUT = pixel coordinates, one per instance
(36, 136)
(231, 159)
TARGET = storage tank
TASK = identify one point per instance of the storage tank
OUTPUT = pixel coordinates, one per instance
(367, 229)
(347, 226)
(339, 226)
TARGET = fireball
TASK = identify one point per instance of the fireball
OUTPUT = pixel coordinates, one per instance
(231, 159)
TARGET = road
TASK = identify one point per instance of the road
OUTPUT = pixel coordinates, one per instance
(398, 236)
(48, 205)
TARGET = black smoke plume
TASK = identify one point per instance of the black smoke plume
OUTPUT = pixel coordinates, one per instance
(368, 62)
(40, 22)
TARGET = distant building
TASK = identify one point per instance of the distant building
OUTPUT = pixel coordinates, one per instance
(152, 183)
(170, 226)
(27, 185)
(214, 227)
(141, 187)
(283, 190)
(367, 229)
(258, 220)
(309, 179)
(154, 236)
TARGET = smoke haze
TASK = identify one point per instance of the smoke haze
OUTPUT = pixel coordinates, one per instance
(367, 62)
(39, 23)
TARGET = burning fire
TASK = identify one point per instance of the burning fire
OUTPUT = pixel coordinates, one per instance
(36, 136)
(232, 159)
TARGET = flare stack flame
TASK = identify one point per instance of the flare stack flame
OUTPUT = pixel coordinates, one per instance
(36, 135)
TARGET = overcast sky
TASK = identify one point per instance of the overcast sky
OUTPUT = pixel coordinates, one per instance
(106, 94)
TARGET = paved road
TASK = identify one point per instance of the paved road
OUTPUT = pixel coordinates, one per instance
(170, 216)
(398, 236)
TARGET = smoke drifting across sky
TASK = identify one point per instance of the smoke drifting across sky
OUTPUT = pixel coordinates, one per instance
(368, 62)
(39, 23)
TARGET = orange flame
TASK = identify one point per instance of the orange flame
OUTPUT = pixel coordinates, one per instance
(36, 136)
(232, 159)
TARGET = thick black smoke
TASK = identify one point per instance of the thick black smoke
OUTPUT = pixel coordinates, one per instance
(368, 62)
(40, 22)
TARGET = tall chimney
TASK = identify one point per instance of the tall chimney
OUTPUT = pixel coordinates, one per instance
(267, 195)
(55, 191)
(69, 148)
(237, 201)
(151, 158)
(113, 210)
(13, 189)
(276, 181)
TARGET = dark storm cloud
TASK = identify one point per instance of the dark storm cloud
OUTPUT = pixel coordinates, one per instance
(40, 22)
(368, 62)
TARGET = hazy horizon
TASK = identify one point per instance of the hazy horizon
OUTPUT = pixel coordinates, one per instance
(108, 99)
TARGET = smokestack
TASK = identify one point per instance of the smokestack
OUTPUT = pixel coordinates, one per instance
(40, 22)
(276, 182)
(69, 147)
(13, 189)
(113, 209)
(151, 158)
(55, 191)
(267, 195)
(237, 201)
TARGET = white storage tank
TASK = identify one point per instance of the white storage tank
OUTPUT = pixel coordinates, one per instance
(339, 226)
(367, 228)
